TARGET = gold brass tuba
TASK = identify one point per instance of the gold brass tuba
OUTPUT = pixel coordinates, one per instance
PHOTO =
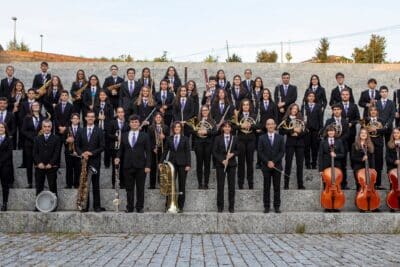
(168, 186)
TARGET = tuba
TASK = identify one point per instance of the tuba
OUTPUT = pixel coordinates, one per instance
(46, 201)
(168, 186)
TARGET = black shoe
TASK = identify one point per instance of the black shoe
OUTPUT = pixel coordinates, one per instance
(128, 210)
(345, 187)
(205, 187)
(392, 210)
(277, 210)
(201, 187)
(380, 187)
(220, 210)
(99, 209)
(286, 187)
(302, 187)
(10, 186)
(231, 210)
(180, 210)
(29, 186)
(308, 167)
(240, 187)
(4, 207)
(376, 210)
(327, 210)
(35, 210)
(266, 210)
(139, 210)
(21, 166)
(251, 187)
(335, 210)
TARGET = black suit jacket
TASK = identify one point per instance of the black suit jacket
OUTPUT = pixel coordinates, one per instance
(243, 93)
(125, 98)
(289, 98)
(320, 96)
(138, 156)
(110, 81)
(28, 129)
(204, 98)
(108, 113)
(150, 83)
(249, 89)
(352, 116)
(60, 118)
(113, 126)
(270, 113)
(345, 129)
(38, 80)
(95, 145)
(5, 89)
(365, 99)
(227, 85)
(181, 156)
(315, 118)
(177, 83)
(219, 150)
(87, 97)
(9, 120)
(268, 152)
(387, 114)
(6, 155)
(169, 100)
(141, 110)
(324, 156)
(337, 98)
(216, 114)
(46, 152)
(188, 110)
(357, 162)
(75, 87)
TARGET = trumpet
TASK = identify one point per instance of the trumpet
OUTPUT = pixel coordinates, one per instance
(43, 89)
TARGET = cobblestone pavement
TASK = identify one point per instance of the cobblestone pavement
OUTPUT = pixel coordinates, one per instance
(199, 250)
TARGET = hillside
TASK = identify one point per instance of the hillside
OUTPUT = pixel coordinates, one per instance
(35, 56)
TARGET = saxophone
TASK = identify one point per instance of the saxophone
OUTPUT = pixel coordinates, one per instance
(84, 185)
(42, 90)
(79, 92)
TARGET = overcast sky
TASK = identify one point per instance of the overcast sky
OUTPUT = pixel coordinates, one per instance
(146, 28)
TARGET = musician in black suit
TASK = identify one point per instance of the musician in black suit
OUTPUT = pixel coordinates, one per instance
(178, 147)
(165, 100)
(46, 157)
(285, 94)
(271, 148)
(144, 107)
(8, 118)
(147, 80)
(369, 97)
(325, 150)
(41, 78)
(351, 113)
(52, 96)
(313, 111)
(268, 108)
(211, 92)
(25, 110)
(337, 91)
(89, 145)
(6, 164)
(72, 162)
(109, 82)
(8, 83)
(318, 90)
(183, 109)
(193, 94)
(387, 111)
(222, 82)
(225, 150)
(135, 151)
(172, 77)
(91, 94)
(238, 92)
(62, 114)
(248, 83)
(221, 106)
(130, 89)
(80, 82)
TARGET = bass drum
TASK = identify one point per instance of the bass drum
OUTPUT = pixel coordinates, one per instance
(46, 201)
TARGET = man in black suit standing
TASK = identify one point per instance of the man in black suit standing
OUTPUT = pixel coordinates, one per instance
(109, 82)
(285, 95)
(271, 148)
(135, 151)
(89, 145)
(369, 97)
(165, 101)
(62, 114)
(337, 91)
(41, 78)
(8, 83)
(387, 111)
(248, 83)
(129, 90)
(351, 113)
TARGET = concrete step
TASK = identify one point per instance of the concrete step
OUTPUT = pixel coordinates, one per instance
(200, 223)
(196, 200)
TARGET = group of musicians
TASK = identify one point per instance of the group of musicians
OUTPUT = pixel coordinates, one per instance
(136, 127)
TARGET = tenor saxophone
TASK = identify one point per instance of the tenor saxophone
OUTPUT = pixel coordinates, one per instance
(84, 185)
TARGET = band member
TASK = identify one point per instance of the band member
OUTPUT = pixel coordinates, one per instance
(369, 97)
(89, 145)
(41, 78)
(158, 132)
(222, 82)
(178, 147)
(351, 113)
(313, 111)
(25, 111)
(358, 157)
(147, 80)
(117, 127)
(211, 92)
(391, 150)
(135, 151)
(285, 95)
(72, 162)
(219, 108)
(342, 132)
(294, 143)
(256, 94)
(238, 92)
(91, 94)
(183, 109)
(396, 100)
(192, 93)
(62, 115)
(8, 83)
(225, 150)
(173, 78)
(245, 125)
(7, 118)
(203, 140)
(52, 97)
(143, 106)
(268, 109)
(76, 90)
(387, 111)
(336, 92)
(130, 89)
(16, 100)
(165, 100)
(271, 148)
(6, 164)
(248, 83)
(112, 84)
(318, 90)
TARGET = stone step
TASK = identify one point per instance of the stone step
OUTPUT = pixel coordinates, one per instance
(200, 223)
(196, 200)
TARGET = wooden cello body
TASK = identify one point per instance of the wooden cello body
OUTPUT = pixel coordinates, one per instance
(393, 197)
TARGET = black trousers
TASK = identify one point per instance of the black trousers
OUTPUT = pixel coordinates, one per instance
(40, 177)
(230, 174)
(311, 146)
(246, 147)
(5, 186)
(155, 160)
(28, 149)
(274, 177)
(203, 160)
(181, 173)
(299, 152)
(73, 170)
(77, 107)
(95, 191)
(378, 158)
(134, 179)
(107, 152)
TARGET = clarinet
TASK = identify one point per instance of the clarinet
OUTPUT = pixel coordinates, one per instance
(117, 200)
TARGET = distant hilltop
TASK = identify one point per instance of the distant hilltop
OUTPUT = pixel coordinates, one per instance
(35, 56)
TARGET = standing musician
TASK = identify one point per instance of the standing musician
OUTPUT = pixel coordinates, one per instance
(248, 83)
(313, 113)
(91, 94)
(391, 150)
(219, 108)
(8, 118)
(225, 150)
(112, 85)
(271, 148)
(6, 164)
(319, 91)
(183, 109)
(135, 151)
(238, 92)
(16, 100)
(222, 82)
(178, 147)
(25, 111)
(158, 133)
(62, 115)
(245, 125)
(369, 97)
(89, 145)
(129, 90)
(117, 127)
(30, 128)
(165, 100)
(293, 127)
(342, 132)
(210, 93)
(268, 108)
(147, 80)
(387, 111)
(285, 95)
(256, 94)
(358, 156)
(192, 93)
(77, 88)
(46, 157)
(52, 97)
(174, 82)
(396, 100)
(41, 78)
(351, 113)
(8, 83)
(143, 106)
(72, 162)
(336, 92)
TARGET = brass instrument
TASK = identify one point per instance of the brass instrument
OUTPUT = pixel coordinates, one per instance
(372, 127)
(101, 121)
(43, 89)
(115, 87)
(293, 124)
(79, 92)
(84, 185)
(168, 186)
(338, 129)
(71, 146)
(249, 121)
(197, 125)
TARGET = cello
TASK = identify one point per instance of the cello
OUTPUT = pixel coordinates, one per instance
(332, 197)
(367, 198)
(393, 197)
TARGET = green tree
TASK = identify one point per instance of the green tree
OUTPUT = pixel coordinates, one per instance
(373, 52)
(210, 59)
(322, 50)
(234, 58)
(288, 56)
(11, 46)
(163, 58)
(265, 56)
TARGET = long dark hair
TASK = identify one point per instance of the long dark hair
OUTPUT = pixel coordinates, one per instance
(299, 116)
(217, 75)
(314, 76)
(97, 78)
(176, 76)
(77, 76)
(271, 98)
(370, 145)
(60, 87)
(194, 91)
